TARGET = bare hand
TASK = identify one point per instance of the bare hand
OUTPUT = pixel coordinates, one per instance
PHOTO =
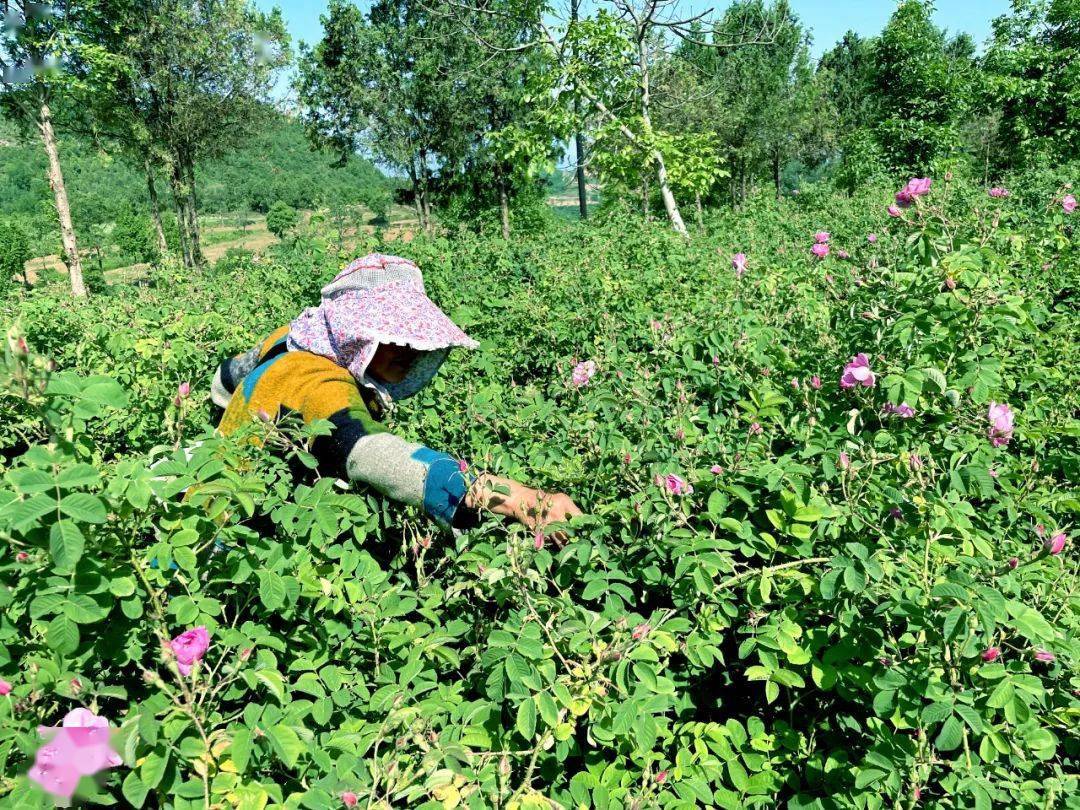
(546, 509)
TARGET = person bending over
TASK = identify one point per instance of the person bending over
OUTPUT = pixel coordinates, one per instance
(375, 338)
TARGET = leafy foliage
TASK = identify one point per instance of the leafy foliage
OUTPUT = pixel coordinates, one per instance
(805, 628)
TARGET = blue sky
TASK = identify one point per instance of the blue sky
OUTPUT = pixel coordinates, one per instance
(828, 19)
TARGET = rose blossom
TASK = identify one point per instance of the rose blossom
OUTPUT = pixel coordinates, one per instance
(1068, 203)
(583, 372)
(675, 485)
(716, 469)
(640, 631)
(815, 382)
(845, 460)
(820, 250)
(990, 654)
(821, 237)
(349, 799)
(1000, 417)
(738, 261)
(871, 238)
(998, 192)
(1014, 562)
(795, 383)
(894, 211)
(858, 372)
(1054, 545)
(183, 390)
(1044, 655)
(915, 462)
(903, 410)
(5, 687)
(189, 647)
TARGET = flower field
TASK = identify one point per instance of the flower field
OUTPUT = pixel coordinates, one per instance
(828, 451)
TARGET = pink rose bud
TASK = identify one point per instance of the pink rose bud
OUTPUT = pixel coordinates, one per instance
(755, 429)
(349, 799)
(462, 465)
(950, 283)
(626, 458)
(1044, 655)
(661, 777)
(715, 360)
(795, 383)
(843, 254)
(1014, 562)
(680, 434)
(815, 382)
(845, 460)
(1001, 420)
(263, 415)
(76, 686)
(538, 540)
(22, 556)
(5, 687)
(916, 794)
(176, 401)
(183, 390)
(1054, 545)
(21, 347)
(894, 211)
(915, 462)
(245, 653)
(896, 513)
(821, 237)
(990, 654)
(716, 469)
(639, 632)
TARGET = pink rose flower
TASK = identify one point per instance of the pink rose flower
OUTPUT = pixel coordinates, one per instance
(845, 460)
(538, 539)
(21, 556)
(661, 777)
(675, 485)
(626, 458)
(189, 647)
(583, 372)
(871, 238)
(998, 191)
(1056, 544)
(858, 372)
(755, 429)
(1068, 203)
(1014, 562)
(843, 254)
(903, 410)
(82, 746)
(795, 383)
(916, 187)
(1001, 419)
(349, 799)
(715, 360)
(815, 382)
(894, 211)
(716, 469)
(990, 654)
(821, 237)
(183, 390)
(5, 687)
(1044, 655)
(738, 261)
(821, 250)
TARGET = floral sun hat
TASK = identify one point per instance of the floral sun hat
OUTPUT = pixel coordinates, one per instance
(378, 299)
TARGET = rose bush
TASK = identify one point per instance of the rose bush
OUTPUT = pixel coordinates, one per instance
(789, 591)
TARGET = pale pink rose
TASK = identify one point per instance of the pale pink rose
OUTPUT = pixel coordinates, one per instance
(820, 250)
(815, 382)
(583, 372)
(821, 237)
(1068, 203)
(1044, 655)
(755, 429)
(903, 410)
(858, 372)
(894, 211)
(716, 469)
(795, 383)
(845, 460)
(1056, 544)
(82, 746)
(992, 472)
(675, 485)
(183, 390)
(871, 238)
(5, 687)
(738, 261)
(991, 654)
(189, 647)
(538, 539)
(1001, 420)
(998, 191)
(1040, 530)
(843, 254)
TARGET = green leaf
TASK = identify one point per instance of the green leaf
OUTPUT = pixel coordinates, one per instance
(286, 743)
(526, 718)
(1029, 622)
(66, 544)
(548, 710)
(971, 717)
(62, 635)
(134, 789)
(951, 735)
(271, 590)
(153, 768)
(83, 507)
(240, 750)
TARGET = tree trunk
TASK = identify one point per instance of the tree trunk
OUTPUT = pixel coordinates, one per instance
(192, 210)
(670, 206)
(176, 181)
(63, 208)
(504, 202)
(776, 173)
(425, 201)
(645, 208)
(700, 210)
(579, 139)
(155, 211)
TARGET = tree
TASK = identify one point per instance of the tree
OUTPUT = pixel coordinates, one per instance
(921, 90)
(14, 253)
(191, 84)
(37, 45)
(280, 219)
(1033, 75)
